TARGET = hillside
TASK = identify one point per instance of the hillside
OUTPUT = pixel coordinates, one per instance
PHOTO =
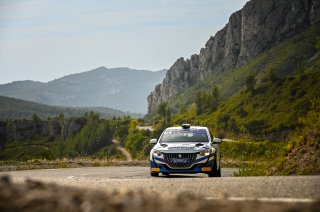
(286, 79)
(251, 31)
(255, 77)
(120, 88)
(270, 106)
(11, 108)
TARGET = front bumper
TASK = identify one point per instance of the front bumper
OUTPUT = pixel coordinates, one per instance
(204, 166)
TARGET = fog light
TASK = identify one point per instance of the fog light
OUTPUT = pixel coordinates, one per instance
(206, 169)
(155, 169)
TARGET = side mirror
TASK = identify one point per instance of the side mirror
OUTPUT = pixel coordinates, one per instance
(153, 141)
(216, 141)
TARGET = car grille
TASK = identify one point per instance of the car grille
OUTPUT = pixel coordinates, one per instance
(180, 160)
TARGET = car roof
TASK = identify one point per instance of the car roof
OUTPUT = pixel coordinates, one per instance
(191, 127)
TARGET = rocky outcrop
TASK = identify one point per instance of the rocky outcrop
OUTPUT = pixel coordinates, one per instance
(249, 32)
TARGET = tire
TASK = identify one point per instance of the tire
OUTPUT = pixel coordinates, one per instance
(154, 174)
(215, 172)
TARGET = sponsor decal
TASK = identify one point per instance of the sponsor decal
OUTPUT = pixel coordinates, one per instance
(180, 147)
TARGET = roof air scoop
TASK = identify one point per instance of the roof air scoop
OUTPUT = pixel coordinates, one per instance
(185, 126)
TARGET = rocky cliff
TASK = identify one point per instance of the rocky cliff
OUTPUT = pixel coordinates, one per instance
(249, 32)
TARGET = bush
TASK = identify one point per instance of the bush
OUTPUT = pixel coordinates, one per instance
(251, 150)
(256, 127)
(135, 143)
(304, 146)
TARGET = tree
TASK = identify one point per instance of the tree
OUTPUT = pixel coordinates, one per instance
(162, 109)
(256, 127)
(207, 103)
(250, 82)
(35, 118)
(165, 112)
(273, 76)
(133, 125)
(122, 131)
(199, 103)
(216, 93)
(223, 121)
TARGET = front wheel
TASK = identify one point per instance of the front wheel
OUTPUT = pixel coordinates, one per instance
(214, 171)
(152, 174)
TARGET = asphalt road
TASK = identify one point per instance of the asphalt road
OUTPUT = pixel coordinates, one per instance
(290, 188)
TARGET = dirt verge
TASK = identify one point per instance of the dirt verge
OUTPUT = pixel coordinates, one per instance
(37, 196)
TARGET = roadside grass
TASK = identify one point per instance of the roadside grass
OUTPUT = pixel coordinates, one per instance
(253, 158)
(66, 163)
(253, 169)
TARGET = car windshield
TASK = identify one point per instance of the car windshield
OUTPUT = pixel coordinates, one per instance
(182, 135)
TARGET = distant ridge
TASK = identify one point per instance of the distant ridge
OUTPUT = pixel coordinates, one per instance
(11, 108)
(120, 88)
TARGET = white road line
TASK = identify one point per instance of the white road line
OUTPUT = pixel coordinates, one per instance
(266, 199)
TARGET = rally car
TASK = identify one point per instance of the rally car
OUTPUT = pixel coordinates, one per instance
(185, 149)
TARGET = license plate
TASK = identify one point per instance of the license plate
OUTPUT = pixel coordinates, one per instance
(180, 160)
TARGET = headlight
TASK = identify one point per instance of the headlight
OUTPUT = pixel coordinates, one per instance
(157, 153)
(205, 152)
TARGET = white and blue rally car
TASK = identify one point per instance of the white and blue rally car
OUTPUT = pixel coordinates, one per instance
(185, 149)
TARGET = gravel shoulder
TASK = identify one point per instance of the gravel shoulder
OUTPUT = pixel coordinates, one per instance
(138, 178)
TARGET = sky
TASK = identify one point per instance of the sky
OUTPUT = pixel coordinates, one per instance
(43, 40)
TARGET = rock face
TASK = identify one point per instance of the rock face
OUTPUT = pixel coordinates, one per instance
(249, 32)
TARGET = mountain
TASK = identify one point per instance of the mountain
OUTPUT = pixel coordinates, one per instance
(11, 108)
(258, 26)
(285, 87)
(120, 88)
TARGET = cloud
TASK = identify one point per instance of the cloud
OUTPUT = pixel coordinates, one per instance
(14, 4)
(54, 19)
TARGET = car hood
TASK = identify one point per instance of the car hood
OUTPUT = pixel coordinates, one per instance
(182, 147)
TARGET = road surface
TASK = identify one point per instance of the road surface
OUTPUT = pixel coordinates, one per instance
(290, 188)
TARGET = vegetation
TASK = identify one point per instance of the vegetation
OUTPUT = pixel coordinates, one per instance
(260, 100)
(253, 151)
(58, 137)
(298, 156)
(136, 141)
(254, 158)
(94, 135)
(207, 103)
(304, 146)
